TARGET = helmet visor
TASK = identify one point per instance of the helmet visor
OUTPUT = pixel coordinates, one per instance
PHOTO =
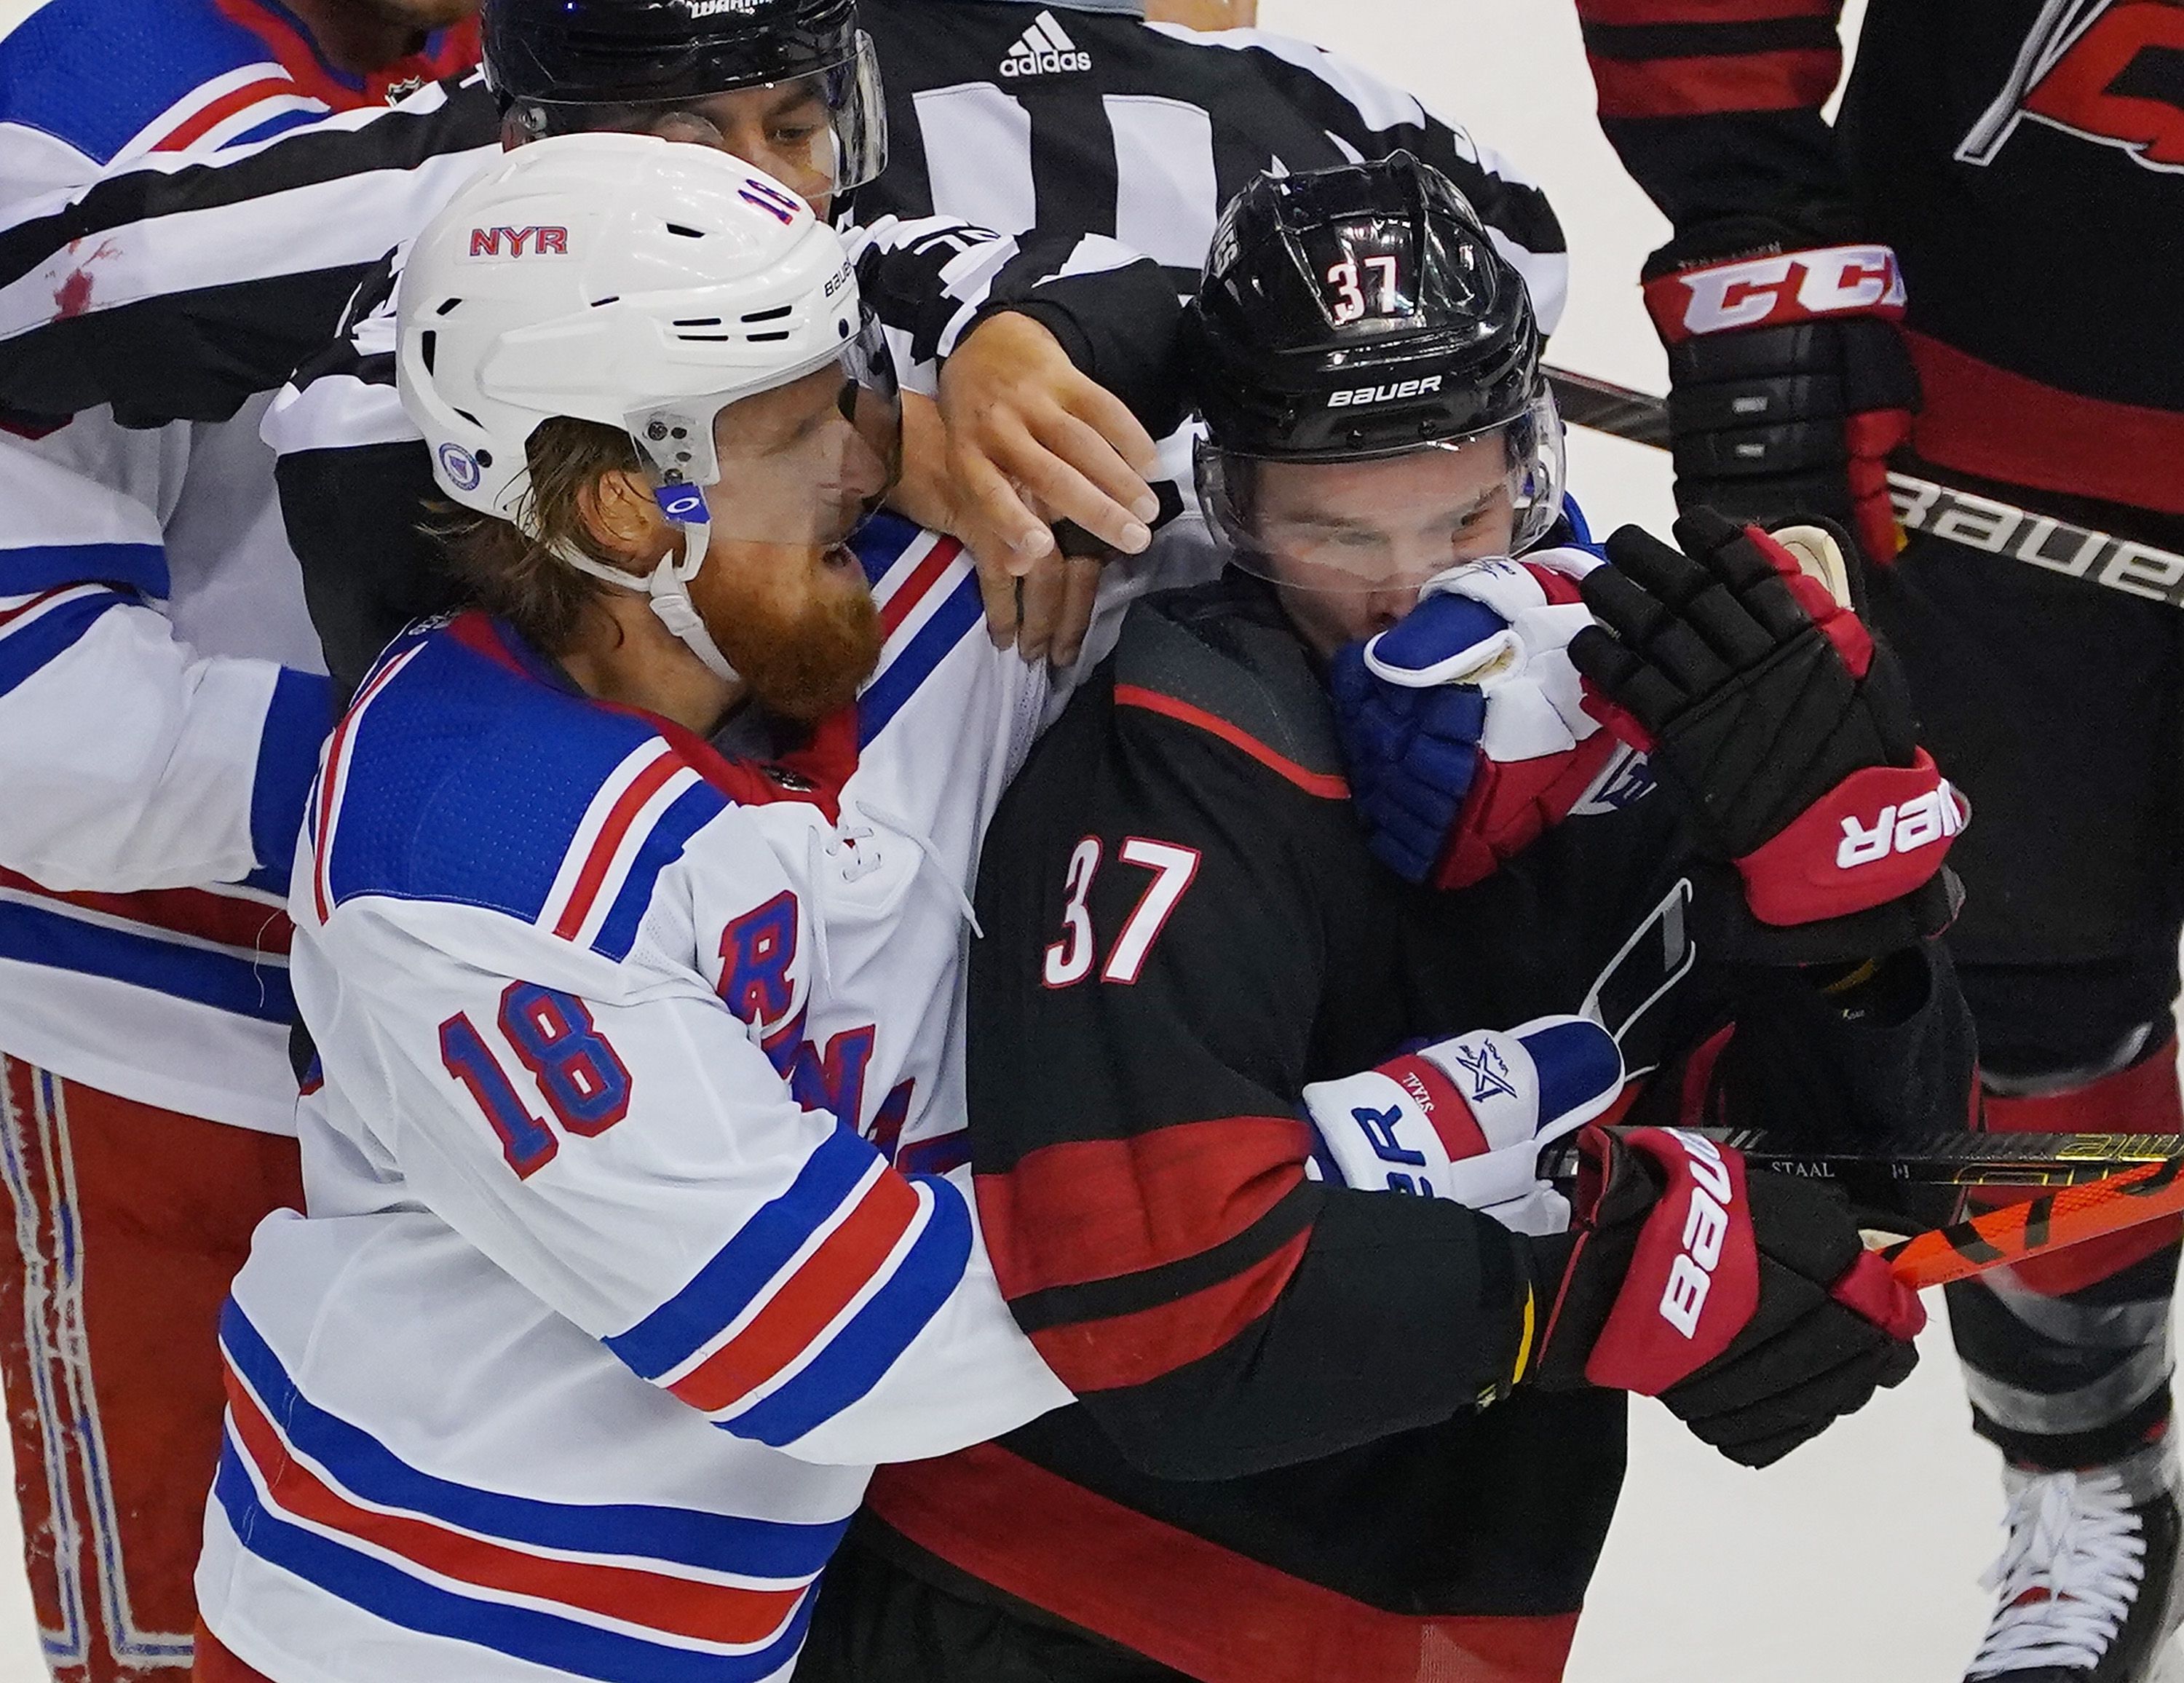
(820, 134)
(1388, 521)
(804, 462)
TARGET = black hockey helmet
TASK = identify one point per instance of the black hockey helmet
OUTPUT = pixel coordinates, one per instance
(564, 65)
(1361, 312)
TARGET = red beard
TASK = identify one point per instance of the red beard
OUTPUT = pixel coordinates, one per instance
(806, 663)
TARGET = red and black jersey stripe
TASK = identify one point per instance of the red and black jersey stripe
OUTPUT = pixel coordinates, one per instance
(1680, 58)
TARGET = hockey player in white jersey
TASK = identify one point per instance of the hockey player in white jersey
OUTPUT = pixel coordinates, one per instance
(162, 704)
(605, 1305)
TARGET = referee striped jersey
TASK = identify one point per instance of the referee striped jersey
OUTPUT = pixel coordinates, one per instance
(218, 273)
(1084, 118)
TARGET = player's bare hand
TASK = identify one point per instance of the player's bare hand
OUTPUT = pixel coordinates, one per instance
(1031, 441)
(1045, 608)
(1042, 603)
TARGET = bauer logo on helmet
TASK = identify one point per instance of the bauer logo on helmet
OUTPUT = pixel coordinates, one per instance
(1394, 391)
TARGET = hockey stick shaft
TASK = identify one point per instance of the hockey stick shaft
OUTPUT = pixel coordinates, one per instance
(2050, 1222)
(1982, 523)
(1957, 1158)
(2084, 1195)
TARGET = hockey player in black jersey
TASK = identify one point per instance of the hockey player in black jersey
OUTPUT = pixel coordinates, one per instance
(1979, 260)
(1330, 1428)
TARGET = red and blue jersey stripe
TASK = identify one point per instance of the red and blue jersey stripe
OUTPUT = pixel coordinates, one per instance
(623, 1592)
(803, 1310)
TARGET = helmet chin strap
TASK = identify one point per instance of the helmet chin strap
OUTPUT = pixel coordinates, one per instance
(667, 590)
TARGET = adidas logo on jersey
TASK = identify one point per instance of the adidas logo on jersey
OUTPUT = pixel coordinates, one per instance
(1044, 50)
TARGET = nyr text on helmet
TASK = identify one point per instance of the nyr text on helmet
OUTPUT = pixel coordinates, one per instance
(543, 241)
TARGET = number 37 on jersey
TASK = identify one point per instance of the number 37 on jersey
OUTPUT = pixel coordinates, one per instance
(1171, 868)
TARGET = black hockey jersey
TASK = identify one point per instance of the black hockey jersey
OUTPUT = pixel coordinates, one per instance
(2026, 158)
(1279, 1468)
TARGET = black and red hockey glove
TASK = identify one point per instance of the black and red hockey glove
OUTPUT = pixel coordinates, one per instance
(1789, 380)
(1785, 730)
(1745, 1301)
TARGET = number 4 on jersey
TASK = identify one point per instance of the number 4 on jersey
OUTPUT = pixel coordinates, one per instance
(582, 1078)
(1070, 958)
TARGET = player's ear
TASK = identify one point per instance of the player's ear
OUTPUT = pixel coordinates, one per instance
(623, 519)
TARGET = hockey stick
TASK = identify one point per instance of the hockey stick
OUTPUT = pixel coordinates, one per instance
(1958, 1157)
(1922, 505)
(2051, 1221)
(2089, 1199)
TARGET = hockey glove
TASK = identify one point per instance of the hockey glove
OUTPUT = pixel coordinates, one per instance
(1782, 726)
(1463, 725)
(1744, 1301)
(1790, 382)
(1465, 1119)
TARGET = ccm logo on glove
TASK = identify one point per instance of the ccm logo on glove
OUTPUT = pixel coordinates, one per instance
(1760, 291)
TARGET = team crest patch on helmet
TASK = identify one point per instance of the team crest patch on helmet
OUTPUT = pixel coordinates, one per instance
(461, 466)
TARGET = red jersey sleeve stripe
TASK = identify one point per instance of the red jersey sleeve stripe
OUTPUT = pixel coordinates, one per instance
(1700, 87)
(912, 590)
(1643, 14)
(729, 1614)
(330, 780)
(1324, 784)
(246, 925)
(1097, 1209)
(1136, 1349)
(808, 1303)
(646, 784)
(1184, 1601)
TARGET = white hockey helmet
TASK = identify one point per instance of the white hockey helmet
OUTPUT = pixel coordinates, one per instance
(621, 279)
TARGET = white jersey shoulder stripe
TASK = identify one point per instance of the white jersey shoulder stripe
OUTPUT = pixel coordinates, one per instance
(326, 797)
(636, 794)
(19, 614)
(177, 118)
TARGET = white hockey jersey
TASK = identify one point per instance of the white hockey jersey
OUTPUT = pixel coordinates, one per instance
(608, 1301)
(159, 719)
(150, 793)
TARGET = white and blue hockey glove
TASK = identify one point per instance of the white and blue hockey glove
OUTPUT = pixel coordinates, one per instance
(1467, 1118)
(1462, 724)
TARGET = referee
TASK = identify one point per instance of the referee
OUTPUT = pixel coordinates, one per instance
(1080, 117)
(1019, 114)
